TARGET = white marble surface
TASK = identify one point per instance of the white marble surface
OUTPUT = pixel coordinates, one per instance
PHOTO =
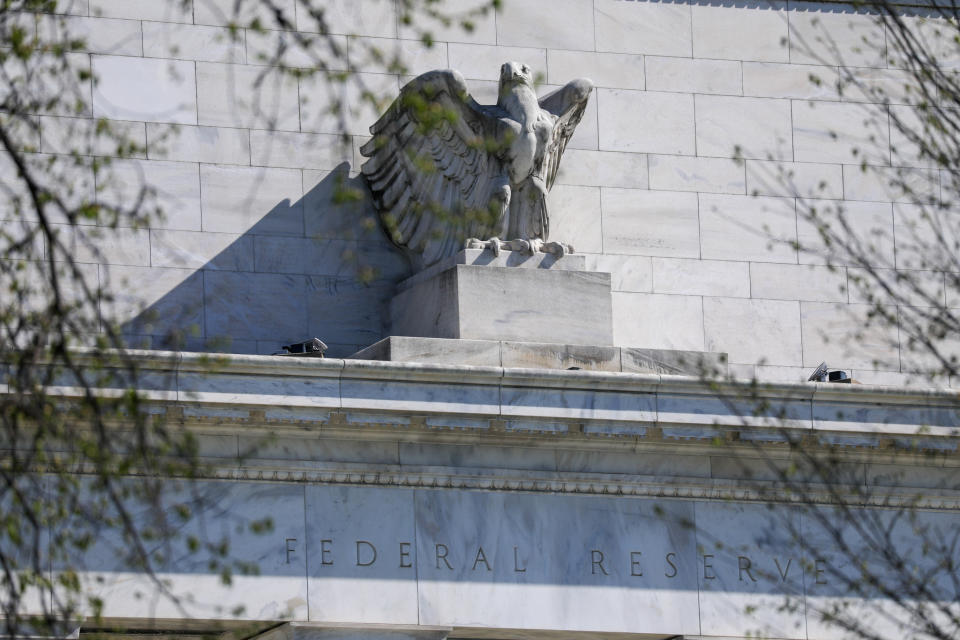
(666, 126)
(646, 117)
(173, 188)
(392, 390)
(359, 17)
(223, 12)
(680, 409)
(219, 145)
(650, 223)
(752, 583)
(933, 420)
(752, 30)
(411, 396)
(732, 553)
(310, 392)
(605, 69)
(195, 249)
(837, 132)
(684, 173)
(577, 404)
(364, 580)
(145, 89)
(273, 308)
(297, 150)
(269, 202)
(103, 35)
(636, 320)
(551, 539)
(679, 87)
(873, 218)
(220, 512)
(63, 135)
(692, 75)
(557, 560)
(792, 179)
(771, 80)
(774, 336)
(355, 115)
(915, 538)
(574, 216)
(486, 257)
(335, 631)
(856, 39)
(627, 273)
(148, 307)
(826, 325)
(557, 24)
(880, 184)
(226, 96)
(484, 26)
(192, 42)
(651, 28)
(735, 227)
(536, 355)
(603, 169)
(139, 10)
(792, 282)
(757, 127)
(499, 303)
(701, 277)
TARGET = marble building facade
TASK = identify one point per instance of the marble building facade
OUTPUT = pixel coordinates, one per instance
(461, 501)
(252, 254)
(487, 501)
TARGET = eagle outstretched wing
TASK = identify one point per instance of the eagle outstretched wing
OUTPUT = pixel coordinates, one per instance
(568, 104)
(432, 167)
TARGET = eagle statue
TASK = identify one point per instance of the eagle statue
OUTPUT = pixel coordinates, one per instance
(446, 172)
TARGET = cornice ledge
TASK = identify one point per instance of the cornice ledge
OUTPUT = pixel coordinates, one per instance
(227, 368)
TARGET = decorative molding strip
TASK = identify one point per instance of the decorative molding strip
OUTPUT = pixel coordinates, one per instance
(595, 484)
(606, 485)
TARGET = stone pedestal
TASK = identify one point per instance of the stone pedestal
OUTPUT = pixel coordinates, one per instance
(478, 296)
(539, 355)
(317, 631)
(516, 310)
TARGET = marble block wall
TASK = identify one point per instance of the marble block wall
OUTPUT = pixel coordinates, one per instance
(252, 252)
(491, 560)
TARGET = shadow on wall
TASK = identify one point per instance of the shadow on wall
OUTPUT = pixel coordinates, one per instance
(317, 267)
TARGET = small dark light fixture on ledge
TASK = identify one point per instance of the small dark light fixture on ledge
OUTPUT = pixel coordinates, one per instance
(822, 374)
(312, 348)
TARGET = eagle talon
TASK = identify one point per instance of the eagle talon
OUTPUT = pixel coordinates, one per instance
(558, 249)
(522, 246)
(493, 244)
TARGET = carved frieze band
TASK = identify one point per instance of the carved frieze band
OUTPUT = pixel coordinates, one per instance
(689, 489)
(599, 484)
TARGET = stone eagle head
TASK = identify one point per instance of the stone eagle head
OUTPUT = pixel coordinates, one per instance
(512, 73)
